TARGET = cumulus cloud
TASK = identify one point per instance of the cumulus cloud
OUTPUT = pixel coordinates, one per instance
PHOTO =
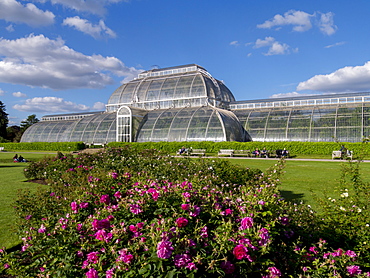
(14, 11)
(98, 106)
(50, 104)
(302, 21)
(235, 43)
(19, 94)
(275, 47)
(42, 62)
(96, 31)
(268, 41)
(326, 23)
(347, 79)
(90, 6)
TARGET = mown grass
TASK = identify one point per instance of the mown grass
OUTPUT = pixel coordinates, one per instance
(303, 180)
(12, 180)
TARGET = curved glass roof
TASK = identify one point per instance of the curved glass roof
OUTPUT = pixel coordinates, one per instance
(191, 124)
(178, 87)
(94, 129)
(346, 122)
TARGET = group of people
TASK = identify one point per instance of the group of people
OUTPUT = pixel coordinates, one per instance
(183, 150)
(20, 158)
(266, 153)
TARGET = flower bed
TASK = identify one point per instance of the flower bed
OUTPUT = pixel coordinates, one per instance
(124, 213)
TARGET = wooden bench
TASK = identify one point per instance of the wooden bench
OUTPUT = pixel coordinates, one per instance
(197, 152)
(242, 153)
(1, 149)
(224, 152)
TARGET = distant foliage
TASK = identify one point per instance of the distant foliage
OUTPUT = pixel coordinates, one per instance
(127, 213)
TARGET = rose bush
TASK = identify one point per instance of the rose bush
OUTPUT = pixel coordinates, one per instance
(124, 213)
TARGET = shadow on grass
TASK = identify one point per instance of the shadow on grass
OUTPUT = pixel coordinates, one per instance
(291, 196)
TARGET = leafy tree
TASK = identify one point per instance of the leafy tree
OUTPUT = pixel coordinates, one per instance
(31, 119)
(14, 133)
(3, 120)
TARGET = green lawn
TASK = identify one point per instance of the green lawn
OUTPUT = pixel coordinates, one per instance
(12, 180)
(303, 178)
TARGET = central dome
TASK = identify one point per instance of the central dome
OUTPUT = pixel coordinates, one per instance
(175, 87)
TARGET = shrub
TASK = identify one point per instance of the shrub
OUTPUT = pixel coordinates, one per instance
(127, 213)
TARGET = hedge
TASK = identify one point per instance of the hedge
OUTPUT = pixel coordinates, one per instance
(309, 148)
(322, 148)
(44, 146)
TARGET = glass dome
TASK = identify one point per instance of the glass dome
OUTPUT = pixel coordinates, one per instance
(178, 87)
(192, 124)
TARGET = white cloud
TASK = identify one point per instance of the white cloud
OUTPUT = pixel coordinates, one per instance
(98, 106)
(335, 44)
(326, 24)
(91, 6)
(10, 28)
(13, 11)
(19, 94)
(83, 25)
(302, 21)
(275, 47)
(2, 92)
(42, 62)
(50, 104)
(268, 41)
(347, 79)
(289, 95)
(235, 43)
(278, 49)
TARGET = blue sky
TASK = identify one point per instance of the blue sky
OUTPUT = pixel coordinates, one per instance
(60, 56)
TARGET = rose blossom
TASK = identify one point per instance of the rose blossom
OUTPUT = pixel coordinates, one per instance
(100, 224)
(164, 249)
(185, 206)
(181, 222)
(246, 223)
(125, 256)
(74, 207)
(135, 209)
(240, 252)
(353, 270)
(182, 260)
(274, 272)
(92, 273)
(105, 199)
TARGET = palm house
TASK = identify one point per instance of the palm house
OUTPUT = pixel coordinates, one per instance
(185, 103)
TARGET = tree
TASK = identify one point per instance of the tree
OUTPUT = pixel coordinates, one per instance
(3, 120)
(31, 119)
(14, 133)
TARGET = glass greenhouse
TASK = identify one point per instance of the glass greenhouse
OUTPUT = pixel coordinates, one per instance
(186, 103)
(342, 117)
(182, 103)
